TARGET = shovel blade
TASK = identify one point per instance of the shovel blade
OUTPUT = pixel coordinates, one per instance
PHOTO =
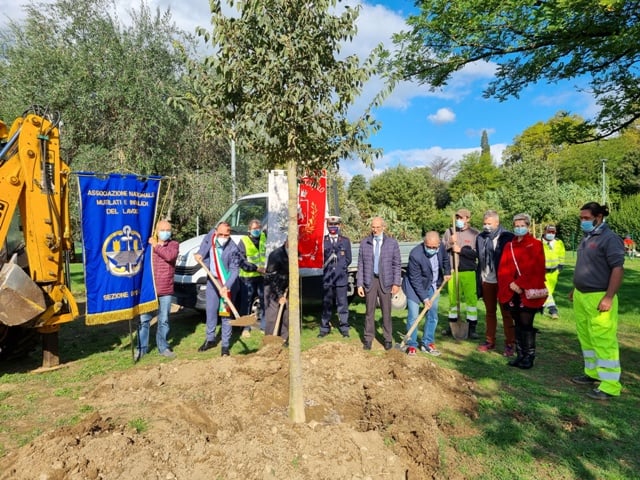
(459, 330)
(243, 321)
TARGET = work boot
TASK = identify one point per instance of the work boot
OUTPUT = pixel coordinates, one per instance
(519, 354)
(472, 329)
(528, 349)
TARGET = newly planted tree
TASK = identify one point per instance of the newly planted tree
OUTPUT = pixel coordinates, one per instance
(276, 83)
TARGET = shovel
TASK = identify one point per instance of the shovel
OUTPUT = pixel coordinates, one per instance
(239, 321)
(403, 345)
(274, 337)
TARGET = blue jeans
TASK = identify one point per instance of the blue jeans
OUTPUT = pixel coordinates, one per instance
(429, 331)
(162, 330)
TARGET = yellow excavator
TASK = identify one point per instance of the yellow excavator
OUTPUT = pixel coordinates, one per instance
(35, 237)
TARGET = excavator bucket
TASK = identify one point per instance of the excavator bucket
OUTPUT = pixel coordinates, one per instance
(21, 300)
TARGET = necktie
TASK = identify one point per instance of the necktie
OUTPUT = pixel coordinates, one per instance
(376, 256)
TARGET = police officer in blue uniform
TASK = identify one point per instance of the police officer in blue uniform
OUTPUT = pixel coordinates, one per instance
(337, 257)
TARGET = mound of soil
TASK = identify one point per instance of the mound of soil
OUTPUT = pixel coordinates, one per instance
(369, 415)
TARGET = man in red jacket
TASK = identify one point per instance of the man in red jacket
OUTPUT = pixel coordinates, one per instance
(163, 254)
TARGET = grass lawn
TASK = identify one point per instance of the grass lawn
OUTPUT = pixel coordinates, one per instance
(533, 424)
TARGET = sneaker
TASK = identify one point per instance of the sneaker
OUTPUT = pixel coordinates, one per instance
(168, 353)
(509, 351)
(486, 347)
(430, 349)
(598, 394)
(584, 380)
(411, 351)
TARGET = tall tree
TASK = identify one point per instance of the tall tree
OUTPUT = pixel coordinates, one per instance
(410, 194)
(276, 84)
(476, 173)
(532, 41)
(110, 81)
(485, 148)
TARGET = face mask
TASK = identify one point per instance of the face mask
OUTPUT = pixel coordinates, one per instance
(488, 228)
(378, 237)
(587, 225)
(430, 251)
(520, 231)
(459, 223)
(255, 233)
(549, 236)
(333, 230)
(222, 241)
(163, 235)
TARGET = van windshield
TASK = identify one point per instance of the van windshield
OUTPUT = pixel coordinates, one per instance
(243, 211)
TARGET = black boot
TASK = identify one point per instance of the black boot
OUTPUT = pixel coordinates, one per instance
(519, 351)
(472, 330)
(528, 348)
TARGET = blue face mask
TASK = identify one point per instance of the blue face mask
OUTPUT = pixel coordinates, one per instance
(378, 237)
(549, 236)
(520, 231)
(459, 223)
(164, 235)
(333, 230)
(430, 251)
(255, 232)
(587, 225)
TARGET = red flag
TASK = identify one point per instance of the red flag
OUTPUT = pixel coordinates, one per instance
(312, 201)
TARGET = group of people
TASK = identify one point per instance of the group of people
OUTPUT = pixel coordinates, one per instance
(508, 269)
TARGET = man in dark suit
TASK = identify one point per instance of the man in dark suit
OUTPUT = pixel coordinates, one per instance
(276, 283)
(220, 254)
(428, 267)
(335, 279)
(378, 279)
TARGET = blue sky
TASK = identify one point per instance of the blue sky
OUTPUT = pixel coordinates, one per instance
(418, 125)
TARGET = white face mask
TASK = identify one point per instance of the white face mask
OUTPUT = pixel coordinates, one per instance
(222, 241)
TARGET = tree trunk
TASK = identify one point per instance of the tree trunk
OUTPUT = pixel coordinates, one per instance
(296, 395)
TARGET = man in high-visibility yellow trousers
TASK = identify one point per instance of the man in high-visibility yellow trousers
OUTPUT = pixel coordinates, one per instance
(553, 263)
(597, 278)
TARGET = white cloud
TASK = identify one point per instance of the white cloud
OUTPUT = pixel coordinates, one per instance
(443, 115)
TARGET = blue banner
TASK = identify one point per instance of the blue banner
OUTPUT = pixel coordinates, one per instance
(117, 214)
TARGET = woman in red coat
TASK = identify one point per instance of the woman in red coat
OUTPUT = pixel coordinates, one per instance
(522, 268)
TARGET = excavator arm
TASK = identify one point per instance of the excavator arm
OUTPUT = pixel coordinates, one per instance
(34, 180)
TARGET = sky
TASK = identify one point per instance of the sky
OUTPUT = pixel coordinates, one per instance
(417, 125)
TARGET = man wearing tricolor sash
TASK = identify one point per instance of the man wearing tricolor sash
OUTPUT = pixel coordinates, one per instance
(221, 255)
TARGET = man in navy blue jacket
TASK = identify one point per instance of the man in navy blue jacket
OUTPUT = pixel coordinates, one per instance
(335, 279)
(378, 279)
(428, 267)
(221, 254)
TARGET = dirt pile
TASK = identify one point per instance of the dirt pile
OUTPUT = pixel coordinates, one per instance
(368, 415)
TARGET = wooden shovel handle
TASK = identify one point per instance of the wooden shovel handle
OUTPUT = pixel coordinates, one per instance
(423, 312)
(218, 285)
(279, 316)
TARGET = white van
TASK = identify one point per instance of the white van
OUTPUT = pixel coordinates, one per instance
(190, 279)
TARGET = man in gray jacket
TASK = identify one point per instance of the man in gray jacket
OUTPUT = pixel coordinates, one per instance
(379, 278)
